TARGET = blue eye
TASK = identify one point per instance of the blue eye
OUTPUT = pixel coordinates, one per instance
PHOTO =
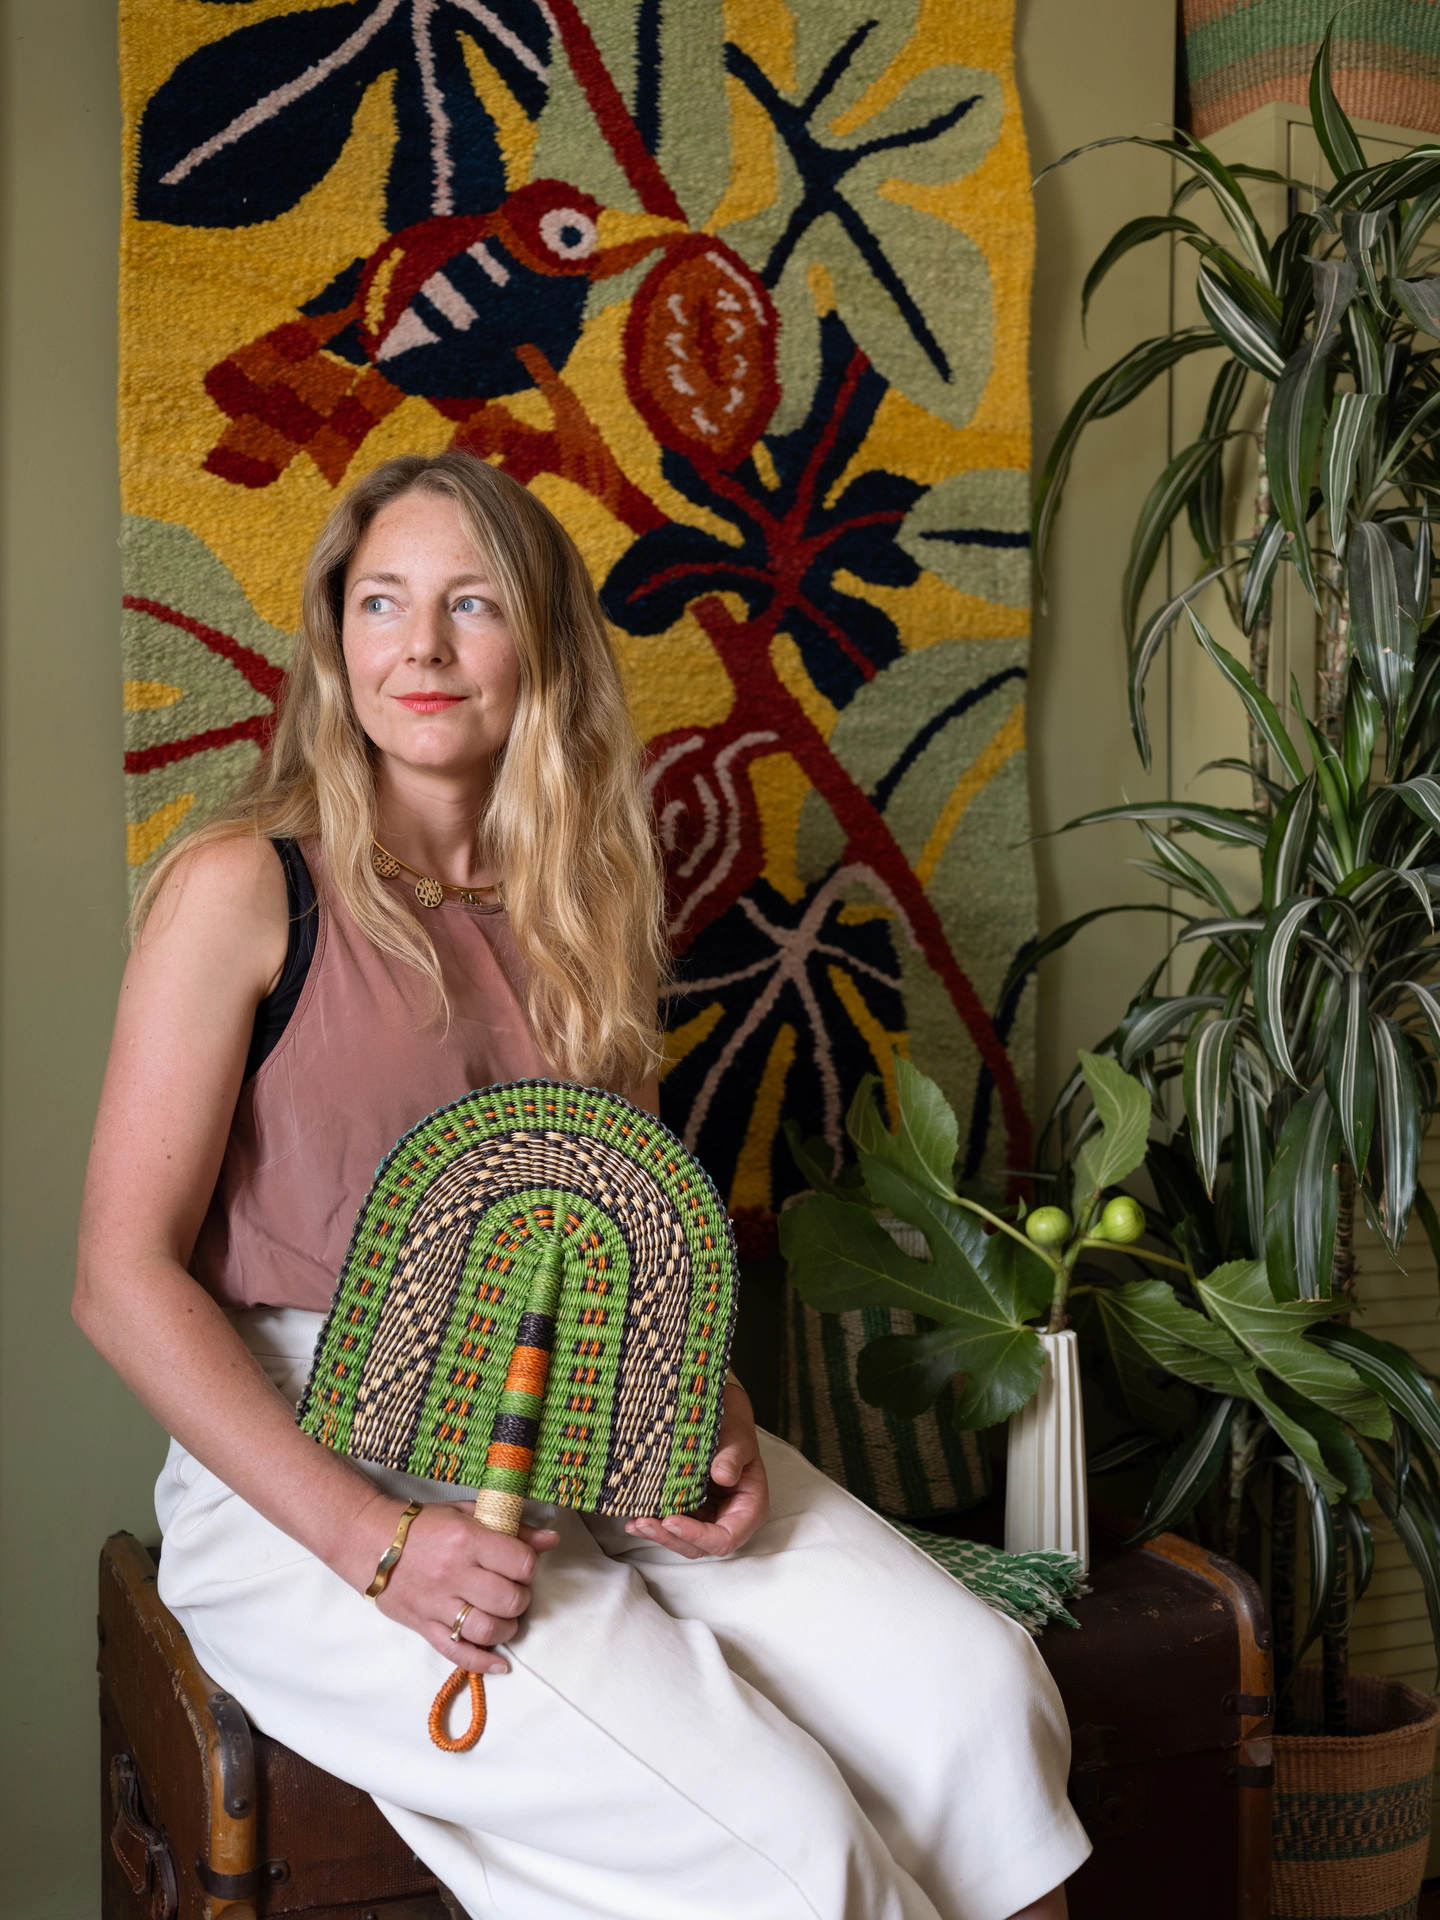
(468, 605)
(374, 602)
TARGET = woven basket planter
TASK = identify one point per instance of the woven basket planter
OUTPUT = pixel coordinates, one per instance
(1352, 1814)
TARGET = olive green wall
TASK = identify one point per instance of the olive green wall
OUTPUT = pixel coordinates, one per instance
(76, 1455)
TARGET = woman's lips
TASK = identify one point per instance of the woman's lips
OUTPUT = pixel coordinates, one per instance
(429, 702)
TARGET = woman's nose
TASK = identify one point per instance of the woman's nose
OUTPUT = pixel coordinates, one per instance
(429, 637)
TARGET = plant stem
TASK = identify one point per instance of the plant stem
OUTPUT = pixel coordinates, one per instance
(1335, 657)
(1335, 1636)
(1282, 1591)
(1342, 1265)
(1260, 638)
(1136, 1253)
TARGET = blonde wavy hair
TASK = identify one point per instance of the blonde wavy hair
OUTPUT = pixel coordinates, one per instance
(566, 826)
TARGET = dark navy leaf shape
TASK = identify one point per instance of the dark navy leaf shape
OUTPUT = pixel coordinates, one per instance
(792, 544)
(247, 125)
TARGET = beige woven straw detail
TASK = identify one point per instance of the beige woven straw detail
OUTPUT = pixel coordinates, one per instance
(1352, 1814)
(500, 1512)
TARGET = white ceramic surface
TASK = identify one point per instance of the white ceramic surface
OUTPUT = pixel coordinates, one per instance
(1045, 1497)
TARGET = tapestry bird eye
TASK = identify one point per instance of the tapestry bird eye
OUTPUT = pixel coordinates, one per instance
(538, 1300)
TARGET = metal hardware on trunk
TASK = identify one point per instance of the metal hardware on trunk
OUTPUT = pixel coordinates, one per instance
(1260, 1706)
(240, 1886)
(237, 1757)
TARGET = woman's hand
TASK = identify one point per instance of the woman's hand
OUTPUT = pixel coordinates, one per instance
(739, 1503)
(451, 1560)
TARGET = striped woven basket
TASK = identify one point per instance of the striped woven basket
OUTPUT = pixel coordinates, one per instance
(1352, 1814)
(907, 1467)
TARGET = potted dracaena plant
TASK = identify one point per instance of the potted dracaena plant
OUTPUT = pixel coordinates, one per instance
(1304, 1046)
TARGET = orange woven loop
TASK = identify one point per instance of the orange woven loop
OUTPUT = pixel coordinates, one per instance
(502, 1454)
(529, 1369)
(450, 1692)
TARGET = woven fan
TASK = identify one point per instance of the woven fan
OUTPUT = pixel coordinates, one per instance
(537, 1300)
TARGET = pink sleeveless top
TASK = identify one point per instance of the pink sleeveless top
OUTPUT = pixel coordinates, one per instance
(362, 1060)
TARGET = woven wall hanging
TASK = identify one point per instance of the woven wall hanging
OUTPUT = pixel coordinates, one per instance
(538, 1299)
(740, 289)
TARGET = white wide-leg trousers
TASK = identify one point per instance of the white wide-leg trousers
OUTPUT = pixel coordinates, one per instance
(823, 1725)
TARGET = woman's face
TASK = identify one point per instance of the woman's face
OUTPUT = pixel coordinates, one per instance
(434, 670)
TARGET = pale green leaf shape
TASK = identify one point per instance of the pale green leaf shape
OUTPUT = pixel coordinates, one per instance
(841, 1258)
(1271, 1332)
(928, 1128)
(973, 530)
(1203, 1354)
(1124, 1109)
(928, 262)
(694, 152)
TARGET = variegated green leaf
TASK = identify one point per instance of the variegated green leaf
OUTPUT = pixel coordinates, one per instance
(1349, 421)
(1260, 707)
(1421, 417)
(1237, 1297)
(1362, 1545)
(1422, 796)
(1285, 862)
(1245, 333)
(1322, 1557)
(1362, 724)
(1163, 502)
(1383, 629)
(1142, 654)
(1191, 873)
(1270, 972)
(1189, 1472)
(1333, 129)
(1417, 1533)
(1430, 1008)
(1350, 1070)
(1107, 393)
(1419, 301)
(1249, 1162)
(1147, 1025)
(1255, 588)
(1216, 823)
(1302, 1199)
(1364, 231)
(1135, 233)
(1334, 283)
(1387, 1371)
(1292, 440)
(1397, 1108)
(1207, 1091)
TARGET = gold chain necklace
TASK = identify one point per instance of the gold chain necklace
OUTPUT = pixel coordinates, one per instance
(431, 893)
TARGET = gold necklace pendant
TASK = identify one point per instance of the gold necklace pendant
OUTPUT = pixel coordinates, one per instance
(429, 892)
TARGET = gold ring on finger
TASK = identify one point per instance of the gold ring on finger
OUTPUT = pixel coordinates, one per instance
(460, 1620)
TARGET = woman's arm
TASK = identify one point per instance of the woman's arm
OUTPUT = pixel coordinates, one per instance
(213, 946)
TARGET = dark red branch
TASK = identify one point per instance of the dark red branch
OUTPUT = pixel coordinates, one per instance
(745, 651)
(606, 103)
(265, 678)
(259, 727)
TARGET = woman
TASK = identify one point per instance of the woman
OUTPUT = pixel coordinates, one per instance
(779, 1707)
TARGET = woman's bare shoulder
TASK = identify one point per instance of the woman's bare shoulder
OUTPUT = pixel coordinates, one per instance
(227, 892)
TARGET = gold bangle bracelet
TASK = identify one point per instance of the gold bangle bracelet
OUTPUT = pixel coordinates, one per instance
(390, 1559)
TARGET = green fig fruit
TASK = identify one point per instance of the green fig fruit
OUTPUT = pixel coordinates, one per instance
(1048, 1226)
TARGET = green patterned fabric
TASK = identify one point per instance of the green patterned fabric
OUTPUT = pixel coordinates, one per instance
(1030, 1588)
(909, 1467)
(527, 1230)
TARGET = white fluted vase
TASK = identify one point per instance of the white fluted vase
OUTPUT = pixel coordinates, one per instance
(1045, 1498)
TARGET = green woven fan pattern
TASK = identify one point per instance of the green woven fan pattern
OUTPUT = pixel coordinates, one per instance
(465, 1218)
